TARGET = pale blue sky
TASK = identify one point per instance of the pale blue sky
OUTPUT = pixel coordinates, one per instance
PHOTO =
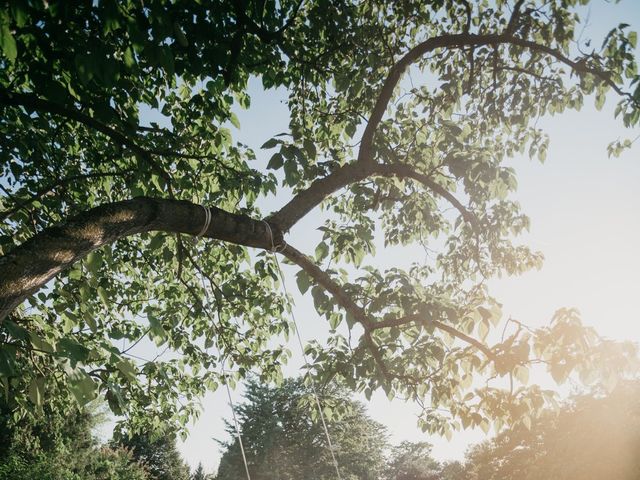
(585, 212)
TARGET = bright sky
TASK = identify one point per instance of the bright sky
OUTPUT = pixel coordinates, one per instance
(585, 212)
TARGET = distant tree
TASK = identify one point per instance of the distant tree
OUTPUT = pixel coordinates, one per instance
(452, 470)
(590, 438)
(199, 473)
(59, 445)
(283, 440)
(114, 464)
(160, 457)
(412, 461)
(67, 436)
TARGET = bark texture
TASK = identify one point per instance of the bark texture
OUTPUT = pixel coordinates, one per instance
(30, 266)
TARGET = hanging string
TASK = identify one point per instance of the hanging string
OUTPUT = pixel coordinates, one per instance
(237, 426)
(314, 390)
(224, 375)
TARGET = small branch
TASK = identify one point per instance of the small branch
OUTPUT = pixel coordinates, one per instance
(417, 318)
(32, 102)
(405, 171)
(323, 279)
(578, 66)
(64, 181)
(512, 26)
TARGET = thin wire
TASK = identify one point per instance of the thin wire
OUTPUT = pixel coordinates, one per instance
(226, 384)
(314, 390)
(235, 422)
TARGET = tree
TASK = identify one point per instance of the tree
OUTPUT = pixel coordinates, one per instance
(199, 473)
(57, 445)
(159, 456)
(591, 437)
(97, 203)
(284, 439)
(413, 461)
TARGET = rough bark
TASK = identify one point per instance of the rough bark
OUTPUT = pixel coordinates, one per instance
(31, 265)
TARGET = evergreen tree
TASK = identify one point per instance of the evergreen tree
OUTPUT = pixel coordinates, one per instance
(159, 456)
(55, 444)
(199, 473)
(284, 440)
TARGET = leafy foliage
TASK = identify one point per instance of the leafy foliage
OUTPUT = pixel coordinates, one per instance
(59, 445)
(591, 437)
(102, 102)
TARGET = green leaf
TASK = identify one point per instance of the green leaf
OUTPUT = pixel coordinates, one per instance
(15, 330)
(303, 281)
(484, 426)
(272, 142)
(276, 161)
(94, 262)
(157, 241)
(82, 387)
(334, 320)
(39, 343)
(7, 361)
(74, 350)
(310, 148)
(91, 322)
(102, 293)
(322, 250)
(129, 58)
(158, 334)
(234, 120)
(36, 391)
(7, 42)
(522, 374)
(128, 369)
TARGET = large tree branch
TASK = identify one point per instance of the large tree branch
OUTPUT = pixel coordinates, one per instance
(365, 153)
(579, 66)
(402, 170)
(31, 265)
(323, 279)
(365, 164)
(319, 190)
(451, 41)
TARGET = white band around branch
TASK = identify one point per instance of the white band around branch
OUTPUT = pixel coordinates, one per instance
(207, 221)
(274, 247)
